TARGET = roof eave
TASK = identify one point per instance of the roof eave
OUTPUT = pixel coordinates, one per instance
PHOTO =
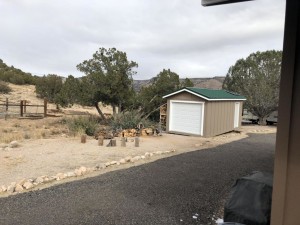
(201, 96)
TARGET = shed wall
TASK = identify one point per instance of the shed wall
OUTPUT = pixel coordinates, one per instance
(219, 117)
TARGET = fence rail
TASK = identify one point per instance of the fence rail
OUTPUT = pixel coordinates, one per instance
(23, 108)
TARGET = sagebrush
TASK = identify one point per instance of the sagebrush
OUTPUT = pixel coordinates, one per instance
(128, 120)
(83, 125)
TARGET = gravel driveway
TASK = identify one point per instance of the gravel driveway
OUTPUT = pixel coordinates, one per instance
(184, 189)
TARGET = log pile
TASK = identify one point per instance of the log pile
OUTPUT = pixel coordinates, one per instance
(136, 132)
(128, 133)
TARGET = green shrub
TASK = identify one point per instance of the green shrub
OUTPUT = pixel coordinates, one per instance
(4, 88)
(128, 120)
(83, 124)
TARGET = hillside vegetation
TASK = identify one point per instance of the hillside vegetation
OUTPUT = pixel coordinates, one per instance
(15, 76)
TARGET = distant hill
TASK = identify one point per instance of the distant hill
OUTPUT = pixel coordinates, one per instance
(210, 83)
(14, 75)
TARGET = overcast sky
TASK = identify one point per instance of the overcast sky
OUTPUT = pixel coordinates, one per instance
(53, 36)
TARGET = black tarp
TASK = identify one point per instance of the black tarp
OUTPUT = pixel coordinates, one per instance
(250, 200)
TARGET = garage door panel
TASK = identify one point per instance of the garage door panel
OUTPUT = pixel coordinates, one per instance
(186, 117)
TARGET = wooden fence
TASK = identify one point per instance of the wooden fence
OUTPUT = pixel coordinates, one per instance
(23, 108)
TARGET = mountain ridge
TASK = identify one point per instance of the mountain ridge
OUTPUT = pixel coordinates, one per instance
(208, 82)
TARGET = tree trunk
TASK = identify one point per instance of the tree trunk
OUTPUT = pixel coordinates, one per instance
(99, 111)
(120, 108)
(114, 110)
(263, 120)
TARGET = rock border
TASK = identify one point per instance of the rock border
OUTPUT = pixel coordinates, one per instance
(27, 184)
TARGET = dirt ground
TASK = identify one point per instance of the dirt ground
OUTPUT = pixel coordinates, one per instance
(50, 156)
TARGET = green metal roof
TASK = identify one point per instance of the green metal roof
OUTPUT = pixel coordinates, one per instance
(215, 94)
(210, 94)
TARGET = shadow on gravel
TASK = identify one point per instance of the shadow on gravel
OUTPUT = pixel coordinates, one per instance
(189, 188)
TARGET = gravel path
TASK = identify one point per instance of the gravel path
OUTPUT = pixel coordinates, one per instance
(168, 191)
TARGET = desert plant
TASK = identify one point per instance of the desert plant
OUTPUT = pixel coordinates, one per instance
(83, 124)
(4, 88)
(128, 120)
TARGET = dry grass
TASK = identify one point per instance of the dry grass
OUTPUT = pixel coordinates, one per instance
(20, 129)
(12, 128)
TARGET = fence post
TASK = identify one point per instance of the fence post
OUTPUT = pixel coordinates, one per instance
(6, 104)
(45, 107)
(24, 102)
(21, 108)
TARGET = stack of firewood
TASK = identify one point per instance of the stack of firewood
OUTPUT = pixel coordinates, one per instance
(128, 133)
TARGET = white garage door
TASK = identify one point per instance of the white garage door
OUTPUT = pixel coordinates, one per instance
(186, 117)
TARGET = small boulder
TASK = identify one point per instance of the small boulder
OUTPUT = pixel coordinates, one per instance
(11, 188)
(13, 144)
(77, 172)
(122, 161)
(128, 158)
(83, 170)
(70, 174)
(19, 188)
(3, 188)
(136, 158)
(60, 176)
(39, 180)
(113, 163)
(28, 184)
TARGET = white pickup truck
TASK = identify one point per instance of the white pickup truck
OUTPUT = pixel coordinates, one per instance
(248, 117)
(272, 118)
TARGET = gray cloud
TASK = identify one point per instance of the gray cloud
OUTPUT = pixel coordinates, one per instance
(53, 36)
